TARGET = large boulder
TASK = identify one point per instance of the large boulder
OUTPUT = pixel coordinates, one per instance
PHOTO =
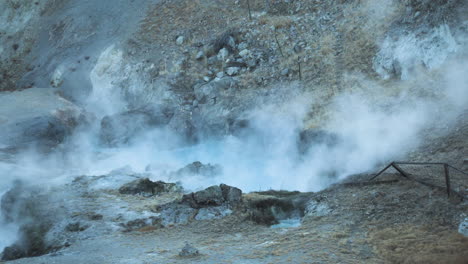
(215, 195)
(210, 196)
(37, 117)
(146, 187)
(189, 251)
(214, 202)
(231, 195)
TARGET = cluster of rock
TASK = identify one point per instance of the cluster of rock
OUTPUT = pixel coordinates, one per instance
(147, 188)
(213, 196)
(49, 229)
(189, 251)
(214, 202)
(226, 57)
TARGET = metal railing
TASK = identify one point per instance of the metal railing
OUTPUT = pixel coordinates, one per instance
(446, 167)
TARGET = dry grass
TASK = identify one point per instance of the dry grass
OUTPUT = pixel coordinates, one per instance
(416, 244)
(147, 229)
(197, 20)
(276, 21)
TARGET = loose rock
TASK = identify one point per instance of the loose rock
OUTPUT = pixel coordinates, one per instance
(245, 53)
(463, 227)
(220, 75)
(223, 54)
(189, 251)
(180, 40)
(200, 55)
(231, 71)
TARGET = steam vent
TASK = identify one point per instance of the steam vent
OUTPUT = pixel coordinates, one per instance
(234, 131)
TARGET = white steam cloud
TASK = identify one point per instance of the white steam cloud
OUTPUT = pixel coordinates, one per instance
(371, 125)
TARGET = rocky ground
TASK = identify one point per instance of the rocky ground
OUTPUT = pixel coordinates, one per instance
(390, 220)
(197, 70)
(387, 220)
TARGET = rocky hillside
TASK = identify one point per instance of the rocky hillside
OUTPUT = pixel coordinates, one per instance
(216, 60)
(172, 131)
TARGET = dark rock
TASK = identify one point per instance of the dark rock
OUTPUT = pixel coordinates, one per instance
(13, 252)
(269, 207)
(236, 64)
(225, 41)
(121, 128)
(210, 196)
(231, 195)
(22, 205)
(146, 187)
(32, 239)
(213, 196)
(212, 203)
(189, 251)
(141, 223)
(264, 211)
(76, 227)
(95, 217)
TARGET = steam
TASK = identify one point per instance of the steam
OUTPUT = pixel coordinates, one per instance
(372, 123)
(407, 52)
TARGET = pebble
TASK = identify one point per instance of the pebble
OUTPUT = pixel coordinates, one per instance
(180, 40)
(200, 55)
(189, 251)
(245, 53)
(223, 53)
(231, 71)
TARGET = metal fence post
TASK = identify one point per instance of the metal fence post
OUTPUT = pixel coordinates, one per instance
(447, 179)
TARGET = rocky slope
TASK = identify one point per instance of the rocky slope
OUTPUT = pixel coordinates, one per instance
(298, 95)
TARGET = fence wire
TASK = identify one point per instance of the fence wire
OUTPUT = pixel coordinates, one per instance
(440, 175)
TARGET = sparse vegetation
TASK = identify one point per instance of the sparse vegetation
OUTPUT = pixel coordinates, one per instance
(420, 245)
